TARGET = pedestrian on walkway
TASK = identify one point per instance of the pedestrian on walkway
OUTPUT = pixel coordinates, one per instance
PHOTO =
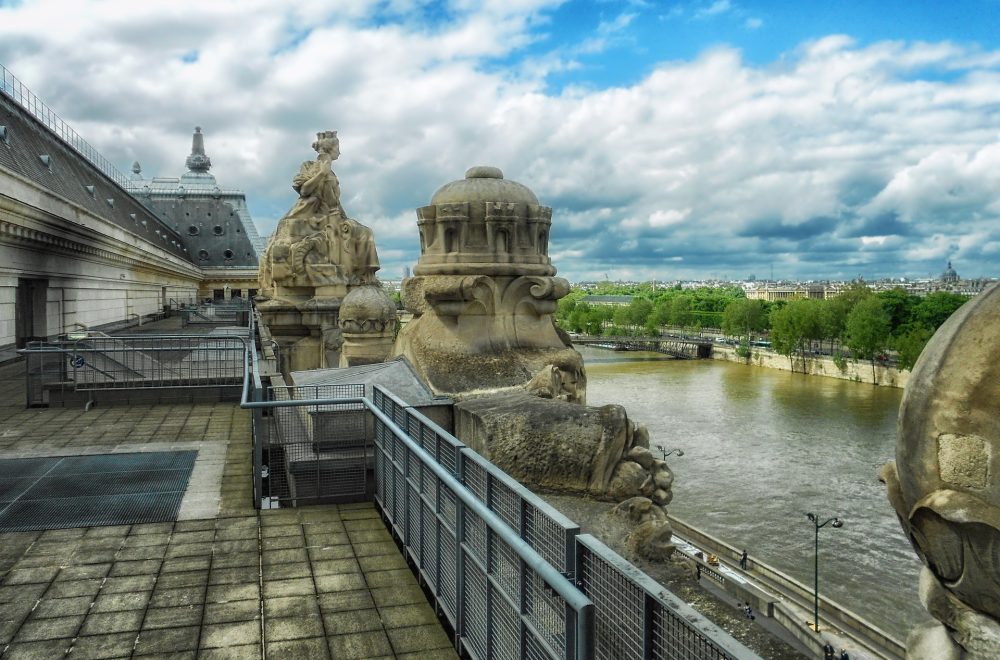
(743, 560)
(844, 655)
(698, 574)
(828, 651)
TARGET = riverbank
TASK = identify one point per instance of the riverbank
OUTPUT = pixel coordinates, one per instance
(817, 365)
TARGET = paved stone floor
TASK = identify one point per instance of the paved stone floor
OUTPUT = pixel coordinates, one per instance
(224, 581)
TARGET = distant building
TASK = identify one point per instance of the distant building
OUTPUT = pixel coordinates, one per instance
(773, 292)
(214, 223)
(949, 276)
(616, 301)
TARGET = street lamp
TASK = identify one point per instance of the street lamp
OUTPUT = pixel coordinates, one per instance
(833, 522)
(679, 452)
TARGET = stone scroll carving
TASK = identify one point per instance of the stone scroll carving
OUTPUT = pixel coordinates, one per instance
(945, 483)
(315, 243)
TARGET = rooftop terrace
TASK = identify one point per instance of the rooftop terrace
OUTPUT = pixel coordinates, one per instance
(224, 580)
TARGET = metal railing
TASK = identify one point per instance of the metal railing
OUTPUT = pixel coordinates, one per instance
(228, 312)
(130, 363)
(24, 97)
(512, 576)
(637, 618)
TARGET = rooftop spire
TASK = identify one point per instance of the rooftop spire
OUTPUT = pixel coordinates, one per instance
(198, 161)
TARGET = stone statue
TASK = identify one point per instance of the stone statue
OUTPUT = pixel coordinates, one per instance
(315, 243)
(316, 258)
(945, 482)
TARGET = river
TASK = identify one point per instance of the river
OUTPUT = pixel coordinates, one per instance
(761, 448)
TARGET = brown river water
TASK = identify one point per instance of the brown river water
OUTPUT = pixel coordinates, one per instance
(762, 448)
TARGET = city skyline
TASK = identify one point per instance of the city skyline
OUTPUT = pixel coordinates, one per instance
(673, 140)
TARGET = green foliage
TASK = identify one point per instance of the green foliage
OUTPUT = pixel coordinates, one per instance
(743, 317)
(743, 350)
(868, 330)
(840, 360)
(911, 343)
(935, 308)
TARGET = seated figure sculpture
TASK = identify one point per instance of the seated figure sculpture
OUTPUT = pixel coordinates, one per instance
(315, 243)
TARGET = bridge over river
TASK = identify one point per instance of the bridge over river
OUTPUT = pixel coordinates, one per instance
(684, 349)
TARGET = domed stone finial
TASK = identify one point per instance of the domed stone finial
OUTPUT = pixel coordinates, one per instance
(483, 172)
(198, 161)
(136, 168)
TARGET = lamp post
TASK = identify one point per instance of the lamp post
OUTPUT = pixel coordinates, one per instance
(833, 522)
(679, 452)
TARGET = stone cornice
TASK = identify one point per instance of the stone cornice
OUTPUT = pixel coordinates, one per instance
(25, 225)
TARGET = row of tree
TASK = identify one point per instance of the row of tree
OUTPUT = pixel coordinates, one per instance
(870, 325)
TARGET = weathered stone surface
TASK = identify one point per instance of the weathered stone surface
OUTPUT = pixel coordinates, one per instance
(639, 509)
(945, 484)
(483, 293)
(642, 456)
(552, 444)
(663, 478)
(627, 480)
(651, 540)
(663, 497)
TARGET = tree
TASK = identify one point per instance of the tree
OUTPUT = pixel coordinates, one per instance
(935, 308)
(680, 310)
(867, 329)
(795, 323)
(910, 344)
(787, 330)
(639, 311)
(743, 317)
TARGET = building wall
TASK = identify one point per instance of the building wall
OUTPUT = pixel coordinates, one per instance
(94, 271)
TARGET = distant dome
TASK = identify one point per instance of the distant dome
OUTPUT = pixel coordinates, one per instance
(949, 274)
(483, 183)
(367, 303)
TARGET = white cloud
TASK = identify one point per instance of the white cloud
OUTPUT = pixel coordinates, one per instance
(835, 159)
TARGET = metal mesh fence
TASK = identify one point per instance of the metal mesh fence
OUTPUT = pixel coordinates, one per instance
(635, 618)
(169, 364)
(488, 549)
(316, 452)
(479, 579)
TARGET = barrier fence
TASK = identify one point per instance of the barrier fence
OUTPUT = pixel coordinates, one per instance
(511, 575)
(170, 364)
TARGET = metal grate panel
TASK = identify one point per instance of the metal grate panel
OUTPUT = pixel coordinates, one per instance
(84, 491)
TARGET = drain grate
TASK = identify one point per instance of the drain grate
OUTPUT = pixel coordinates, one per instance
(85, 491)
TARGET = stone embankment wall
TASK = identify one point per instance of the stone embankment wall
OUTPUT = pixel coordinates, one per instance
(860, 371)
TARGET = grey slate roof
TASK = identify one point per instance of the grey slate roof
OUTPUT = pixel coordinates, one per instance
(397, 376)
(72, 177)
(214, 222)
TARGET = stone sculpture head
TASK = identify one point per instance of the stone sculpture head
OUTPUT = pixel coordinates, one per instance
(945, 482)
(327, 143)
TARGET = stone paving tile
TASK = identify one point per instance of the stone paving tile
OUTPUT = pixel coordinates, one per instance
(168, 617)
(99, 647)
(231, 612)
(168, 640)
(360, 646)
(315, 648)
(418, 638)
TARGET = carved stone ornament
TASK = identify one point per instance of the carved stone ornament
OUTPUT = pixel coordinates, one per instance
(945, 482)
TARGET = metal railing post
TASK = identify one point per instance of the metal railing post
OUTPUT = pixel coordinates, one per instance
(459, 551)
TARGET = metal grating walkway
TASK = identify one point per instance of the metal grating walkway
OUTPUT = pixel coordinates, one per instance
(102, 489)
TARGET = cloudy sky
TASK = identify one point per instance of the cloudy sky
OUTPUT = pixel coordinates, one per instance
(673, 139)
